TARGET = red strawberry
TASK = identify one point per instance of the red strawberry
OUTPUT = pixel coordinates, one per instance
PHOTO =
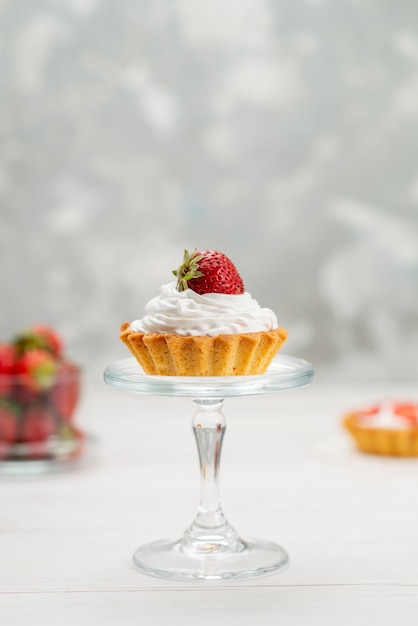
(38, 424)
(7, 360)
(407, 410)
(52, 341)
(66, 391)
(371, 410)
(208, 271)
(37, 369)
(9, 421)
(39, 336)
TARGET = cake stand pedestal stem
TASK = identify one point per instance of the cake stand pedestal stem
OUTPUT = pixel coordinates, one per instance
(210, 531)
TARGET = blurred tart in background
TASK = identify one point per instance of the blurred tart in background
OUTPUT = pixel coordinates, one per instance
(388, 429)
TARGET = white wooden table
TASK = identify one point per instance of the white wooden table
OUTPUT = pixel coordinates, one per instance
(289, 473)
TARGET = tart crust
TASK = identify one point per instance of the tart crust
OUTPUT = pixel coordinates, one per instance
(223, 355)
(383, 441)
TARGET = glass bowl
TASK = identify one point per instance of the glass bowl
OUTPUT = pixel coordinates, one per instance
(37, 423)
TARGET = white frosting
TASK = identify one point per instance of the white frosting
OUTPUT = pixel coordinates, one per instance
(385, 419)
(188, 313)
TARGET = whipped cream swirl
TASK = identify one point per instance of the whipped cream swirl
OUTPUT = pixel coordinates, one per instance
(188, 313)
(385, 418)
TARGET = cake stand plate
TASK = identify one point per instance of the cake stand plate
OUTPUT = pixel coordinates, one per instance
(210, 548)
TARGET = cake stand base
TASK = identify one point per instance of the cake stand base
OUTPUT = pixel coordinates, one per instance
(213, 560)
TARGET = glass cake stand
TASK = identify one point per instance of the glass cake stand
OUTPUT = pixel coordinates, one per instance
(210, 548)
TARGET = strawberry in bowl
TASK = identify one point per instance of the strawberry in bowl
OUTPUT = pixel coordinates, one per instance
(39, 393)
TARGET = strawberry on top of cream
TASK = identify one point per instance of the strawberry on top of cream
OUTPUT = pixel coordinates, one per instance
(188, 313)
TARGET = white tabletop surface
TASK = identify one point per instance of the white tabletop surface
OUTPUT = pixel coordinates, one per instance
(289, 473)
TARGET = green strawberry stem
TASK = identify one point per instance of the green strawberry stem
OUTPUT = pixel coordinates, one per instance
(188, 270)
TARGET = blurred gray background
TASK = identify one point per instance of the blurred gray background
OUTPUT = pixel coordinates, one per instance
(283, 133)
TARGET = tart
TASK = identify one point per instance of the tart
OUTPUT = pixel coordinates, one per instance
(388, 429)
(204, 324)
